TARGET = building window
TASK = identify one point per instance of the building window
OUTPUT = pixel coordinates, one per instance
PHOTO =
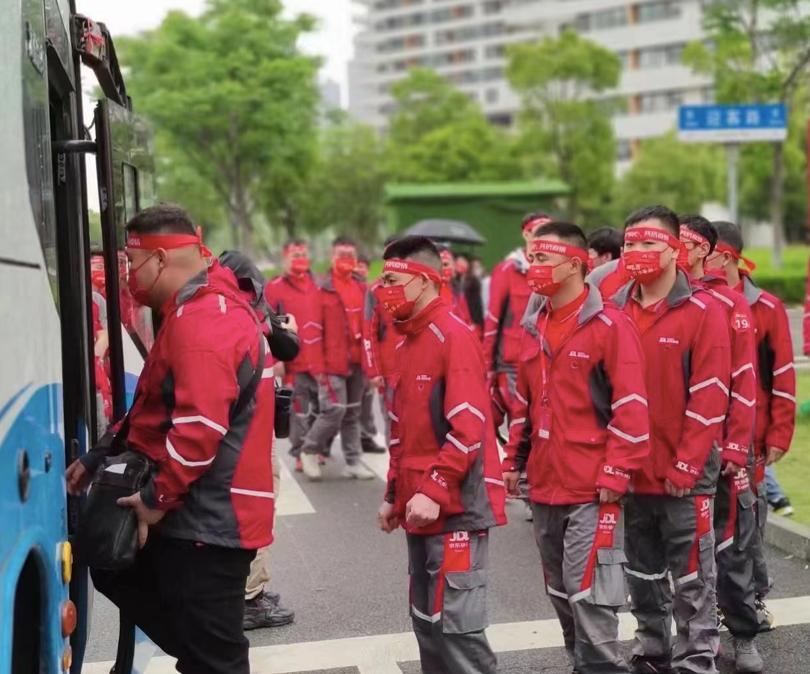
(491, 96)
(468, 33)
(494, 51)
(658, 11)
(624, 151)
(396, 4)
(493, 6)
(604, 20)
(661, 101)
(707, 95)
(658, 57)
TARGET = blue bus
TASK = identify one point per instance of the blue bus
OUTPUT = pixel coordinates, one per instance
(72, 341)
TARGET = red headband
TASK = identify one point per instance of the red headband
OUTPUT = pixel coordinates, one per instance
(691, 235)
(725, 248)
(558, 248)
(167, 241)
(410, 267)
(635, 234)
(536, 222)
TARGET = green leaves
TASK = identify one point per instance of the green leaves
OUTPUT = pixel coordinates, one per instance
(234, 104)
(564, 133)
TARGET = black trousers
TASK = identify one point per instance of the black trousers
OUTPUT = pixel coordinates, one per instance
(189, 599)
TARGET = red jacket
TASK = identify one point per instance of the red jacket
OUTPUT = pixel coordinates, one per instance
(508, 296)
(442, 439)
(776, 394)
(688, 371)
(380, 339)
(807, 314)
(213, 455)
(738, 436)
(338, 345)
(599, 432)
(302, 300)
(609, 277)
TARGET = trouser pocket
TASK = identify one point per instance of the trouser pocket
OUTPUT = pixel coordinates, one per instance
(608, 581)
(465, 602)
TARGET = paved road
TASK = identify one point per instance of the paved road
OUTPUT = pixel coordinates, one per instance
(348, 585)
(796, 316)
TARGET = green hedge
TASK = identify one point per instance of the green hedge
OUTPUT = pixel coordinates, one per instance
(790, 287)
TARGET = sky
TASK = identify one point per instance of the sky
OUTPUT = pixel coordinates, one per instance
(332, 41)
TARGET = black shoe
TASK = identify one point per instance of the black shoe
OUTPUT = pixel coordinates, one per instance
(261, 612)
(273, 597)
(782, 507)
(642, 665)
(371, 447)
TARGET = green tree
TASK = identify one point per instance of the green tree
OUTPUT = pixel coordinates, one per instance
(345, 189)
(564, 132)
(232, 100)
(683, 176)
(757, 51)
(439, 134)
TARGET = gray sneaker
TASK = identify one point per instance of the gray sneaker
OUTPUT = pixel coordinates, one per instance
(311, 466)
(746, 657)
(262, 612)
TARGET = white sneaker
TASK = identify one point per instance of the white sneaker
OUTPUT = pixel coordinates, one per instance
(357, 471)
(311, 466)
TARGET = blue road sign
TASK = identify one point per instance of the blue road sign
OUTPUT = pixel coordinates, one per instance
(732, 123)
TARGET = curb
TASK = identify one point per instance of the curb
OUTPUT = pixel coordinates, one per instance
(788, 536)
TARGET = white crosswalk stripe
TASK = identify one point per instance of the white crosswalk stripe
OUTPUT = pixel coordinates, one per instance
(379, 654)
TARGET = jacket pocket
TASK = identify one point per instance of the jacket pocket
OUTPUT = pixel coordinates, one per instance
(465, 602)
(608, 579)
(579, 456)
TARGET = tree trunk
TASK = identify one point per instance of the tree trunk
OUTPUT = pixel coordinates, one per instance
(241, 216)
(777, 205)
(288, 220)
(235, 238)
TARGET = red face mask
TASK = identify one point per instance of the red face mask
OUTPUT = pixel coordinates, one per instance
(540, 278)
(394, 300)
(643, 266)
(345, 265)
(141, 295)
(299, 265)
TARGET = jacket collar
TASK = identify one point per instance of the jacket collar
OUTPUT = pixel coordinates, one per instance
(681, 291)
(751, 290)
(415, 325)
(328, 284)
(518, 257)
(538, 304)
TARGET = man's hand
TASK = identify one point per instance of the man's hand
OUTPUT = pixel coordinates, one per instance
(774, 455)
(672, 490)
(730, 469)
(421, 511)
(387, 518)
(279, 370)
(77, 478)
(378, 383)
(510, 481)
(146, 516)
(608, 495)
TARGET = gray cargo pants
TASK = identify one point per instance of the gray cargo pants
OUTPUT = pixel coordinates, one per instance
(668, 535)
(305, 410)
(582, 549)
(368, 428)
(339, 404)
(448, 602)
(735, 530)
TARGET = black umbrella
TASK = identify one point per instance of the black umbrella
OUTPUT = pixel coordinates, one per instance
(449, 231)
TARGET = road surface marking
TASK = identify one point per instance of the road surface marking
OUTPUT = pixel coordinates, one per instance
(379, 654)
(291, 498)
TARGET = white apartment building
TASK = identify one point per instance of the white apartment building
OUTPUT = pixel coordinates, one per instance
(465, 40)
